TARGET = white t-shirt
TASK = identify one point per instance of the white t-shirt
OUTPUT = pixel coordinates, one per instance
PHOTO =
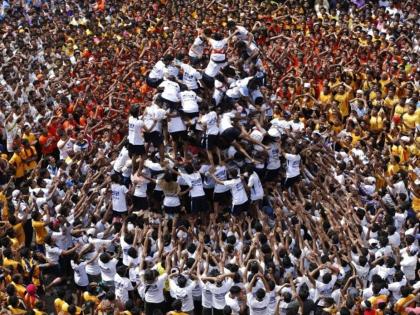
(171, 91)
(80, 275)
(221, 174)
(119, 202)
(325, 289)
(64, 151)
(237, 189)
(190, 76)
(293, 165)
(53, 253)
(233, 303)
(176, 124)
(257, 307)
(140, 188)
(219, 293)
(151, 113)
(183, 294)
(210, 120)
(108, 270)
(206, 294)
(122, 286)
(158, 70)
(189, 101)
(226, 122)
(254, 183)
(122, 158)
(194, 181)
(153, 293)
(242, 32)
(135, 133)
(408, 264)
(197, 48)
(218, 52)
(273, 162)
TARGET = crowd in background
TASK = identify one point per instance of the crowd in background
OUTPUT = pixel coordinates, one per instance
(209, 157)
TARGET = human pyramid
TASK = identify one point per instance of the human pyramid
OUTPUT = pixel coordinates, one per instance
(209, 157)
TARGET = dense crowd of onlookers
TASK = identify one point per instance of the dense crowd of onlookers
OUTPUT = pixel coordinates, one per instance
(209, 157)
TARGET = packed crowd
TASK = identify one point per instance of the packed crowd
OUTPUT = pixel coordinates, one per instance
(209, 157)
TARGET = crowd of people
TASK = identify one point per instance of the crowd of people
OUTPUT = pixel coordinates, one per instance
(216, 157)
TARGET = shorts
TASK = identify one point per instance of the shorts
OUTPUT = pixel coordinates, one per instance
(153, 83)
(199, 204)
(209, 142)
(140, 203)
(208, 81)
(289, 182)
(149, 308)
(179, 136)
(168, 104)
(231, 134)
(136, 149)
(272, 175)
(119, 214)
(172, 210)
(191, 115)
(222, 198)
(238, 209)
(194, 60)
(154, 137)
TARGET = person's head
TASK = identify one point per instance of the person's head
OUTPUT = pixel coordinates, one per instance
(227, 310)
(182, 281)
(326, 278)
(150, 276)
(134, 111)
(405, 291)
(235, 291)
(260, 294)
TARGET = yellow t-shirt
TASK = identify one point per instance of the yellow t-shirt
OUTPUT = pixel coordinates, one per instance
(391, 102)
(343, 103)
(26, 154)
(16, 311)
(20, 233)
(16, 161)
(59, 304)
(325, 99)
(398, 307)
(10, 263)
(410, 121)
(40, 232)
(30, 137)
(376, 123)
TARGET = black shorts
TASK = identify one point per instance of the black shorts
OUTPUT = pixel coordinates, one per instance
(135, 149)
(140, 203)
(231, 134)
(172, 210)
(191, 115)
(153, 137)
(179, 136)
(208, 81)
(209, 142)
(272, 175)
(223, 197)
(238, 209)
(119, 214)
(154, 83)
(170, 104)
(199, 204)
(289, 182)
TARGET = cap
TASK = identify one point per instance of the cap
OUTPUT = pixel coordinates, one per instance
(31, 289)
(306, 85)
(359, 92)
